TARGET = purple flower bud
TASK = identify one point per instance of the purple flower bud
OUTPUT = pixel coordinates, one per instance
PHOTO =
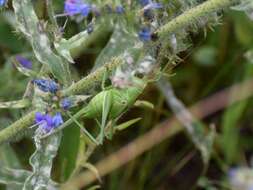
(57, 120)
(145, 34)
(144, 2)
(153, 6)
(66, 103)
(119, 9)
(149, 4)
(24, 62)
(46, 122)
(46, 85)
(39, 117)
(73, 7)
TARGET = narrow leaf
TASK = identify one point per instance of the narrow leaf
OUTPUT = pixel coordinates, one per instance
(127, 124)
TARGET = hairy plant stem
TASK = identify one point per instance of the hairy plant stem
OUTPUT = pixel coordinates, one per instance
(91, 79)
(18, 126)
(50, 12)
(192, 15)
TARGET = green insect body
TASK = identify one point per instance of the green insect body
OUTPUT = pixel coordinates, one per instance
(120, 100)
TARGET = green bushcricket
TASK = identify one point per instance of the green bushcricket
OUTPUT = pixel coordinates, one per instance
(111, 103)
(108, 105)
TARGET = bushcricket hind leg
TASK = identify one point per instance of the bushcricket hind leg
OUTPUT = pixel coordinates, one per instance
(107, 103)
(86, 133)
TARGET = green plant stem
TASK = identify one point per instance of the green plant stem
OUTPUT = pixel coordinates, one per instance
(18, 126)
(91, 79)
(50, 12)
(192, 15)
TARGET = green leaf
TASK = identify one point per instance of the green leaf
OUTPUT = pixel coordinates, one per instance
(230, 120)
(34, 30)
(15, 104)
(127, 124)
(144, 104)
(120, 40)
(68, 151)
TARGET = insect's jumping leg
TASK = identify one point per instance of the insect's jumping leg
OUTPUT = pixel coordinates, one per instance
(107, 102)
(83, 129)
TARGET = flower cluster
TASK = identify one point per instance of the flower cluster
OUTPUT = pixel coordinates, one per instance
(46, 85)
(47, 122)
(145, 34)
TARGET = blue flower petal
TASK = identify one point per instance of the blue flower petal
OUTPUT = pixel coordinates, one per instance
(46, 85)
(39, 117)
(24, 62)
(2, 2)
(57, 120)
(66, 103)
(145, 34)
(72, 7)
(119, 9)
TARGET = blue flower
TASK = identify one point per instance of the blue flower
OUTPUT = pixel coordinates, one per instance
(145, 34)
(57, 120)
(46, 85)
(119, 9)
(73, 7)
(46, 122)
(24, 62)
(39, 117)
(153, 6)
(66, 103)
(2, 2)
(149, 4)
